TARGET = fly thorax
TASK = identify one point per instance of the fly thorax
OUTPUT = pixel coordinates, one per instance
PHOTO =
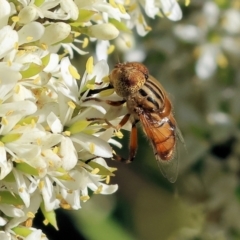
(127, 82)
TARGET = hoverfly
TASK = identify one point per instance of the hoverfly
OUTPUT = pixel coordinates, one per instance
(148, 103)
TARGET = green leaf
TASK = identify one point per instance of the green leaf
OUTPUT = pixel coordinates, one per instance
(32, 70)
(120, 25)
(24, 167)
(9, 198)
(45, 60)
(78, 126)
(10, 137)
(27, 120)
(84, 16)
(102, 170)
(10, 177)
(49, 216)
(22, 231)
(68, 39)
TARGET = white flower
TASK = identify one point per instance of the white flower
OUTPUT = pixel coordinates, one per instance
(171, 9)
(51, 153)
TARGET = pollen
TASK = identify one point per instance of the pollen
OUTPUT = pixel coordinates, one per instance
(110, 49)
(128, 44)
(36, 80)
(29, 39)
(187, 2)
(45, 222)
(71, 105)
(4, 121)
(65, 205)
(17, 89)
(73, 71)
(55, 150)
(148, 28)
(112, 2)
(1, 144)
(91, 148)
(89, 65)
(51, 164)
(41, 185)
(107, 179)
(21, 190)
(77, 34)
(30, 215)
(67, 133)
(84, 198)
(119, 134)
(44, 46)
(33, 123)
(99, 190)
(39, 141)
(85, 42)
(29, 222)
(15, 19)
(9, 113)
(9, 63)
(95, 171)
(121, 8)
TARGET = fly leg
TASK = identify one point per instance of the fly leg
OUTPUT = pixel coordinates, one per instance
(132, 146)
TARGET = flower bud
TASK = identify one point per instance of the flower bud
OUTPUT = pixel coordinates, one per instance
(105, 31)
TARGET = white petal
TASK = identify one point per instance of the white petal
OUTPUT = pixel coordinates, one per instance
(72, 197)
(51, 140)
(8, 39)
(100, 70)
(171, 9)
(5, 235)
(68, 153)
(59, 30)
(93, 144)
(2, 222)
(22, 187)
(206, 64)
(71, 83)
(5, 166)
(101, 49)
(50, 200)
(104, 31)
(106, 189)
(4, 12)
(150, 8)
(54, 123)
(189, 33)
(71, 8)
(52, 64)
(30, 32)
(11, 211)
(27, 14)
(24, 107)
(35, 235)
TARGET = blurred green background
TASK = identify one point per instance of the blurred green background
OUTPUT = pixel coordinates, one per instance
(197, 60)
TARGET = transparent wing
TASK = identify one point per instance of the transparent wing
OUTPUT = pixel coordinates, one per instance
(163, 139)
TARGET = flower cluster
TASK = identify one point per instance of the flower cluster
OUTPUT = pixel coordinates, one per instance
(46, 139)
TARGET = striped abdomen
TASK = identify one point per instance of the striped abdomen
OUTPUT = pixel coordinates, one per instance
(150, 99)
